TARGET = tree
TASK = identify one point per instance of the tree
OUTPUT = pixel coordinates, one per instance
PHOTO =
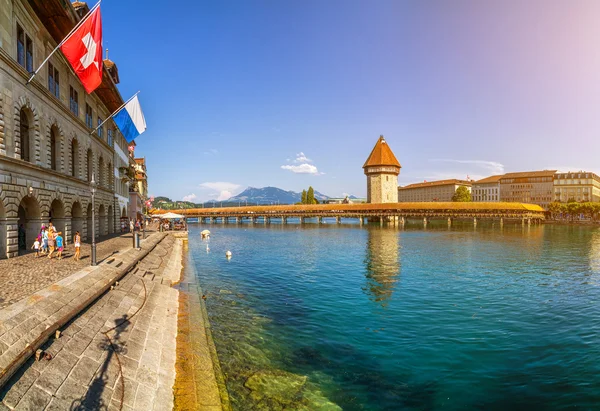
(310, 196)
(303, 199)
(462, 194)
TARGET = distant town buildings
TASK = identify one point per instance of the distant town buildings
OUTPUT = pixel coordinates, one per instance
(534, 187)
(486, 190)
(441, 190)
(581, 186)
(48, 152)
(382, 170)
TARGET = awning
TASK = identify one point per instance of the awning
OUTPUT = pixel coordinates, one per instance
(170, 216)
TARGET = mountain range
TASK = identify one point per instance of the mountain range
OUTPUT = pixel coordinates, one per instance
(267, 195)
(250, 196)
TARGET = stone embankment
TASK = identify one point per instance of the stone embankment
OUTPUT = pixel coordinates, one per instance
(118, 335)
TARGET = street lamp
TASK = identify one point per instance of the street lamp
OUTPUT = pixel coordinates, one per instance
(93, 190)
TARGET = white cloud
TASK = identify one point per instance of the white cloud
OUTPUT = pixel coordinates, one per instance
(302, 169)
(221, 190)
(211, 151)
(302, 165)
(189, 197)
(301, 158)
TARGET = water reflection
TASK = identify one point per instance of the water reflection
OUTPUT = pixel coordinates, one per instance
(382, 263)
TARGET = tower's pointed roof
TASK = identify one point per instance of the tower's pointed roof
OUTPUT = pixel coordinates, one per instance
(381, 155)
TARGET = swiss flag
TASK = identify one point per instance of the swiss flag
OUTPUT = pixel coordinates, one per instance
(83, 49)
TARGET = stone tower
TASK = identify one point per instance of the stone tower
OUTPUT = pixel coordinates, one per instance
(382, 170)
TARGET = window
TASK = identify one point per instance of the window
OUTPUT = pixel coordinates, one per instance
(24, 49)
(24, 135)
(73, 101)
(100, 128)
(109, 137)
(88, 116)
(28, 54)
(53, 80)
(20, 46)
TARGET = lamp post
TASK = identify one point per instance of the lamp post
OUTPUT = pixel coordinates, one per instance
(93, 190)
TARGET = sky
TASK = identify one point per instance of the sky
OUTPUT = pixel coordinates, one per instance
(295, 93)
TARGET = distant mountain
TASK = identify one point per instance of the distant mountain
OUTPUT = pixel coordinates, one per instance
(268, 195)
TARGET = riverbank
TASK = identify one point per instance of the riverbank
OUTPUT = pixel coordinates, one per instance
(119, 352)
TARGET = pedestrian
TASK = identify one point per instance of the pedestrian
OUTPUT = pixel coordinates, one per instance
(51, 240)
(45, 241)
(77, 245)
(137, 225)
(131, 226)
(36, 247)
(59, 244)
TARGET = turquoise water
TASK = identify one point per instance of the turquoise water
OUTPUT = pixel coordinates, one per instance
(330, 317)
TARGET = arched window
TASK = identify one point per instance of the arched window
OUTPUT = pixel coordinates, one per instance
(90, 164)
(74, 157)
(24, 135)
(53, 148)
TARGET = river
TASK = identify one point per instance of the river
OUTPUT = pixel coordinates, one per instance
(368, 318)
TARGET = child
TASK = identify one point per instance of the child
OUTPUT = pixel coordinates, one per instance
(59, 245)
(36, 247)
(77, 245)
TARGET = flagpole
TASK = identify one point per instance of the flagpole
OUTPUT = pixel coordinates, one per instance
(63, 41)
(115, 112)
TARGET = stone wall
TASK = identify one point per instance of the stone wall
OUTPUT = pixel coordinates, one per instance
(382, 188)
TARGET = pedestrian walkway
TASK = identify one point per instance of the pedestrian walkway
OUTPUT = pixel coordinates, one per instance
(132, 369)
(22, 276)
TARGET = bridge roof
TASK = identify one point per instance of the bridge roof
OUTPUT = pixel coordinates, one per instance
(400, 207)
(381, 155)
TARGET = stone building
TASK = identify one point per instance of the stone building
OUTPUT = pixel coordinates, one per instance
(486, 190)
(534, 187)
(47, 151)
(382, 170)
(581, 186)
(441, 190)
(138, 192)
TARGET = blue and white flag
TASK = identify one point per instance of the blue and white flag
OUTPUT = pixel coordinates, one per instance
(130, 120)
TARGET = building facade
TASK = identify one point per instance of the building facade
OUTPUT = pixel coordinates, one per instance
(138, 192)
(534, 187)
(486, 190)
(441, 190)
(581, 186)
(48, 152)
(382, 170)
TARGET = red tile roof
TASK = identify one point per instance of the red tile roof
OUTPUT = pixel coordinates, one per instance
(381, 155)
(491, 179)
(520, 174)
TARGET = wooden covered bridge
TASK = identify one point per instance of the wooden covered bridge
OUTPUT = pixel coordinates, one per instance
(387, 213)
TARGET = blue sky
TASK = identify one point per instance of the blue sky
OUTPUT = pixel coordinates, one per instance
(296, 93)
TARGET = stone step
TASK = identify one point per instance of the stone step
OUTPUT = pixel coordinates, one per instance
(22, 334)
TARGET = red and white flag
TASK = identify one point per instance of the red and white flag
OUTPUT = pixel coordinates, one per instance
(83, 49)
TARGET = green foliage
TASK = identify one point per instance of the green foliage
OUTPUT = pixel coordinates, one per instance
(573, 209)
(462, 194)
(310, 196)
(303, 199)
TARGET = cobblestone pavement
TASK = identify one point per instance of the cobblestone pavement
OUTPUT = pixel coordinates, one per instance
(24, 275)
(85, 373)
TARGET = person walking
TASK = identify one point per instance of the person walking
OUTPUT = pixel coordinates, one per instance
(45, 241)
(36, 247)
(77, 245)
(51, 240)
(59, 245)
(131, 226)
